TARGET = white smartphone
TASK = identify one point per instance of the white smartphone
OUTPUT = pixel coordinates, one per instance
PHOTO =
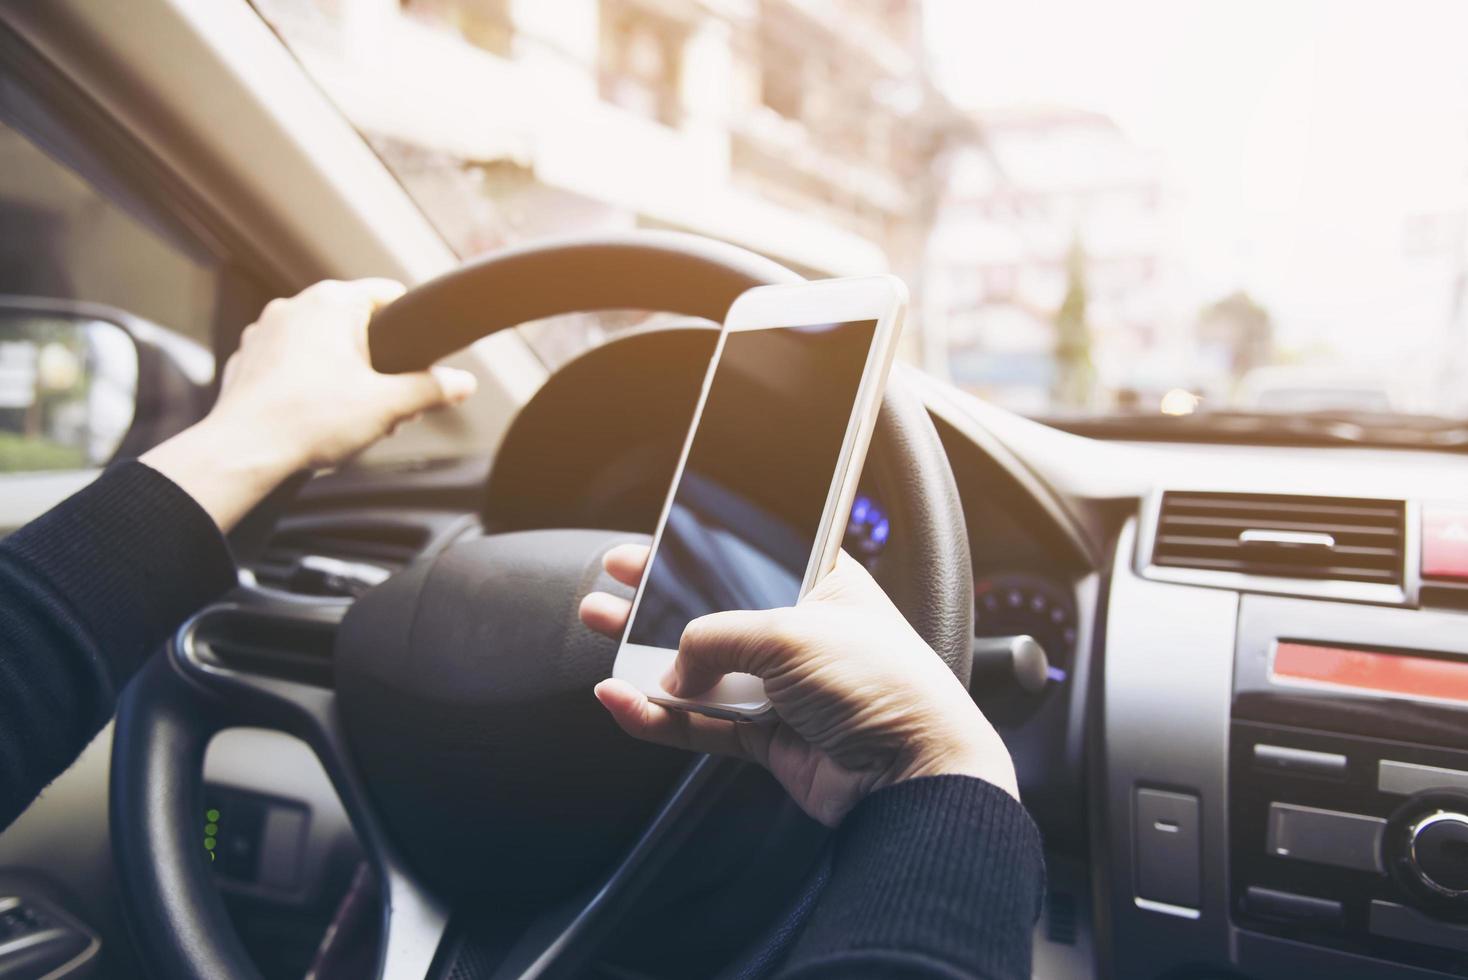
(759, 501)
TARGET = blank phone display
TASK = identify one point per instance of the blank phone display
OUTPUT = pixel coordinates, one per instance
(748, 506)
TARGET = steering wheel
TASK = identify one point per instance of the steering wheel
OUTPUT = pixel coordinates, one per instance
(450, 705)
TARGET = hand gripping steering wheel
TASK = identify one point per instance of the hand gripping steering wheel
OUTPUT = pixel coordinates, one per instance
(450, 706)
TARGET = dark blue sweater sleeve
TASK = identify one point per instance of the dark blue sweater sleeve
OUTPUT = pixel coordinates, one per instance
(937, 877)
(87, 591)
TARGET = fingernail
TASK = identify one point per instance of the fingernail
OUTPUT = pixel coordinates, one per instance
(670, 682)
(457, 385)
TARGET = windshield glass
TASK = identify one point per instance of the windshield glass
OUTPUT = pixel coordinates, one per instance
(1138, 208)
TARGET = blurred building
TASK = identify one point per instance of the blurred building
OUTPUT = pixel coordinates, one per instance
(802, 129)
(1432, 262)
(1045, 288)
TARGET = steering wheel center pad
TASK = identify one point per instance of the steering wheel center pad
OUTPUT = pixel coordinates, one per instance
(465, 688)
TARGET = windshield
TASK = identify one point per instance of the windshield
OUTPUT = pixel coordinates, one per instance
(1142, 208)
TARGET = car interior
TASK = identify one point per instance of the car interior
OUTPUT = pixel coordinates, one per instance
(1229, 659)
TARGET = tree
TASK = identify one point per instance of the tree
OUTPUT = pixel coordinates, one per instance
(1075, 374)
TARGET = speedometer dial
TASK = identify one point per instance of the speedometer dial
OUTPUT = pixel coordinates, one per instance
(1013, 603)
(867, 530)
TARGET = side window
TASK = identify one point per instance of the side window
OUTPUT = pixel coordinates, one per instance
(68, 370)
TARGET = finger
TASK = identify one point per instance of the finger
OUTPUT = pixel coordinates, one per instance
(376, 292)
(455, 384)
(605, 613)
(379, 292)
(419, 391)
(640, 718)
(626, 563)
(231, 368)
(723, 643)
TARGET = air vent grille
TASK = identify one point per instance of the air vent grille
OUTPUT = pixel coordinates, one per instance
(271, 646)
(1060, 918)
(387, 546)
(1286, 536)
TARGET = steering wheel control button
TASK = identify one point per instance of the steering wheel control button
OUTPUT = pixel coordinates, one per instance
(1407, 778)
(19, 919)
(1267, 903)
(1437, 852)
(1344, 840)
(1393, 921)
(38, 939)
(281, 843)
(1169, 861)
(238, 819)
(1305, 762)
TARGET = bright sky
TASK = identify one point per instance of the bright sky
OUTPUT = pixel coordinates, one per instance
(1297, 138)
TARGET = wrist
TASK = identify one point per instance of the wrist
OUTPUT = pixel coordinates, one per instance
(247, 449)
(979, 753)
(226, 468)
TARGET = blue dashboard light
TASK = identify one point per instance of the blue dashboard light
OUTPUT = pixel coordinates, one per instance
(859, 509)
(879, 533)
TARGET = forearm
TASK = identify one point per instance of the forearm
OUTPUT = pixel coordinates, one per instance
(937, 877)
(87, 592)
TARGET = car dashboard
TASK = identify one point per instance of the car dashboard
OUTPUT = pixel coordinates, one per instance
(1246, 751)
(1201, 810)
(1283, 772)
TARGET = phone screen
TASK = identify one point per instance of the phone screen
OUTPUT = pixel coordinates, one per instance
(748, 505)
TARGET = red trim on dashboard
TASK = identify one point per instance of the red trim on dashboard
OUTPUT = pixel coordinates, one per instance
(1382, 673)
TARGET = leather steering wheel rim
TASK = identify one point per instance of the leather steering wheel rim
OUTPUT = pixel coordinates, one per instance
(169, 713)
(701, 277)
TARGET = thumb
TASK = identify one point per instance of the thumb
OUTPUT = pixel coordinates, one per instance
(849, 582)
(745, 642)
(419, 391)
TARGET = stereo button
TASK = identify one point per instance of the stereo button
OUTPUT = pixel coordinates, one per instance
(1399, 922)
(1406, 778)
(1346, 840)
(1289, 907)
(1286, 758)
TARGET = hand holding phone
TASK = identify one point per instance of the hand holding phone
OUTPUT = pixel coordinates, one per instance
(859, 700)
(768, 472)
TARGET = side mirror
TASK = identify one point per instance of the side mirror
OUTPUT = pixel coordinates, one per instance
(81, 384)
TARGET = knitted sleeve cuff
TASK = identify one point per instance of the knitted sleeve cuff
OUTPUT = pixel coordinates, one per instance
(948, 868)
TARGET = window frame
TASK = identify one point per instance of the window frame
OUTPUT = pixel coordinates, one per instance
(60, 119)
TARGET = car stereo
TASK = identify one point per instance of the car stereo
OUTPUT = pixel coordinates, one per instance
(1348, 791)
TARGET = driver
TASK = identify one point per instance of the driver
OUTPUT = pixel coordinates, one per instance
(937, 868)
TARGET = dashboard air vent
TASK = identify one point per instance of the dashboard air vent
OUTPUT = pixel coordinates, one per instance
(381, 544)
(1327, 538)
(295, 649)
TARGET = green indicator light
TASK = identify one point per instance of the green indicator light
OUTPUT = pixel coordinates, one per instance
(211, 831)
